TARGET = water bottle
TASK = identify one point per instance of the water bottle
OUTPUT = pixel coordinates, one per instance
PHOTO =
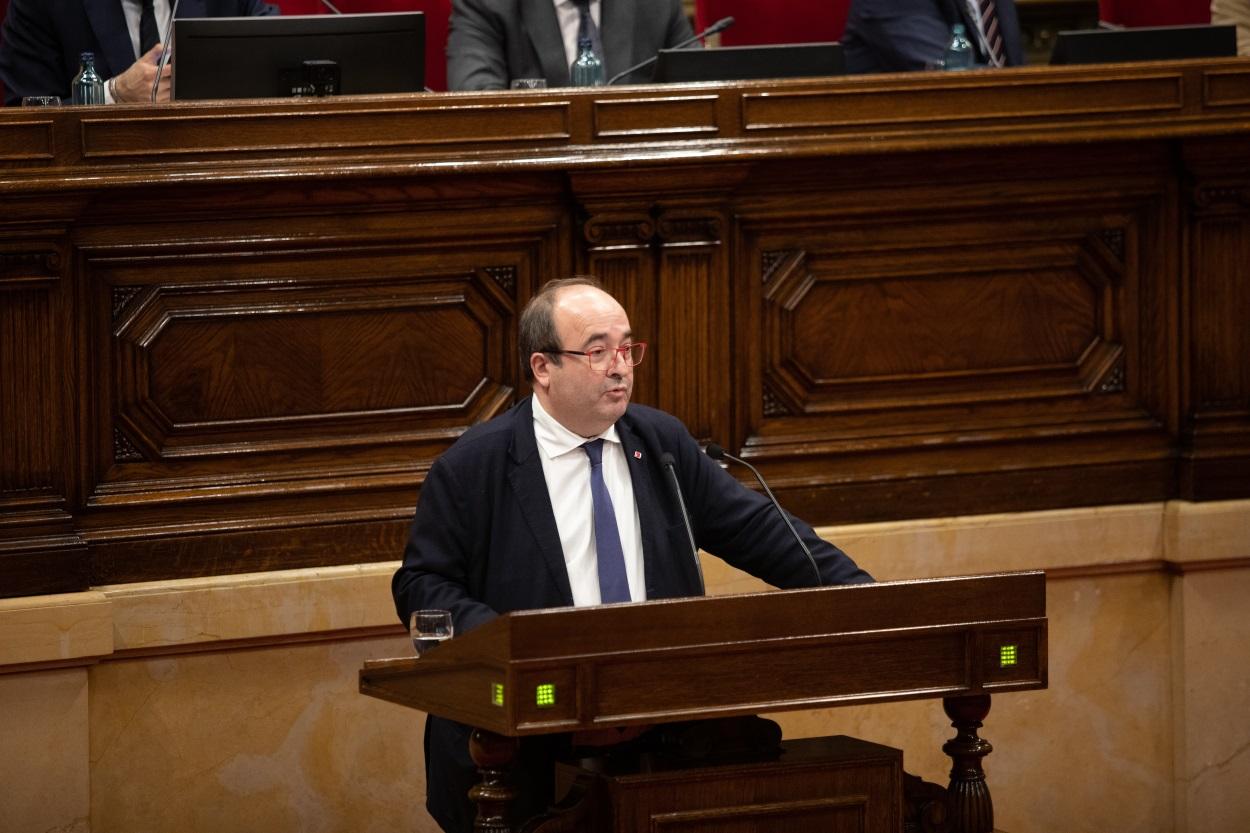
(88, 85)
(959, 53)
(587, 70)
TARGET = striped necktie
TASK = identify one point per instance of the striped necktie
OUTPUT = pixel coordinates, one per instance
(993, 32)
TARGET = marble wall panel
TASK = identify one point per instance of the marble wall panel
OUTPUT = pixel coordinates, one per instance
(273, 739)
(44, 772)
(1213, 699)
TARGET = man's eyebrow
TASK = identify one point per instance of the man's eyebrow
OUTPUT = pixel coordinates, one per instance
(603, 337)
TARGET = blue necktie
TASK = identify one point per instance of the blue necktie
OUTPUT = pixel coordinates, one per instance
(613, 585)
(149, 35)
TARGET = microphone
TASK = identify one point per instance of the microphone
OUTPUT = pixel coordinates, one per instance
(717, 27)
(666, 460)
(165, 50)
(717, 453)
(330, 6)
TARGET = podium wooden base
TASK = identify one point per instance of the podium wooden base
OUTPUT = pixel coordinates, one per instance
(830, 784)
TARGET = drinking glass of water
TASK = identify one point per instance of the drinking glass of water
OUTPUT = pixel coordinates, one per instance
(429, 628)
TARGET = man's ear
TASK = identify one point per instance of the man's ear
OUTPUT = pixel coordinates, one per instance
(540, 366)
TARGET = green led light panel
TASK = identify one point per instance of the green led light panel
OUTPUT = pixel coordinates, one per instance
(496, 693)
(1007, 655)
(545, 695)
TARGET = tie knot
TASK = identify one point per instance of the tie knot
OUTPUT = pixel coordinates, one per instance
(594, 450)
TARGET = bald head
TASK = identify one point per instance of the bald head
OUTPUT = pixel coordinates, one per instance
(580, 317)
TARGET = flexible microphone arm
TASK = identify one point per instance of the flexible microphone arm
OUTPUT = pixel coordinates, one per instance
(330, 6)
(717, 27)
(666, 460)
(165, 50)
(717, 453)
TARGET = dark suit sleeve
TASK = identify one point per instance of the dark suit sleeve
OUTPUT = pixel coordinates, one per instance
(435, 572)
(31, 57)
(678, 25)
(476, 53)
(256, 8)
(895, 35)
(742, 526)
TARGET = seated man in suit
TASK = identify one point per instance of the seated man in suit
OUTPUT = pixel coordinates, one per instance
(43, 39)
(563, 500)
(492, 42)
(900, 35)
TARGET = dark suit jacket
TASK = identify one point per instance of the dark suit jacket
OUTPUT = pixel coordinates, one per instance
(492, 42)
(896, 35)
(43, 40)
(484, 542)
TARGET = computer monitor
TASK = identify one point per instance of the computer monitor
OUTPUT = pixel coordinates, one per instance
(281, 57)
(743, 63)
(1148, 43)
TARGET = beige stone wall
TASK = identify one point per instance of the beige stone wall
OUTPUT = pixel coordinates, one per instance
(230, 704)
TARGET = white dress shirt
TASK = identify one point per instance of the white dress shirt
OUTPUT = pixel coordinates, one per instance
(570, 22)
(566, 468)
(133, 9)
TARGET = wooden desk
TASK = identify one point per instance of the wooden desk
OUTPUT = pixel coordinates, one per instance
(234, 336)
(570, 669)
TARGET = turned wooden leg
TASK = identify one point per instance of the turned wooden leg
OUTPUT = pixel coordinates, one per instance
(493, 755)
(972, 810)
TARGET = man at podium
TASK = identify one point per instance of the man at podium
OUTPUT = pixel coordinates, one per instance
(568, 499)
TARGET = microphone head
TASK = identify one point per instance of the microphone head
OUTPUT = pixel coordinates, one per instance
(666, 459)
(721, 25)
(715, 451)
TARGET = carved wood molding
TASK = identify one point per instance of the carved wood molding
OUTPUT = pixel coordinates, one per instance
(616, 229)
(122, 295)
(124, 449)
(684, 228)
(1114, 240)
(504, 276)
(1074, 283)
(1113, 382)
(654, 225)
(18, 268)
(1220, 198)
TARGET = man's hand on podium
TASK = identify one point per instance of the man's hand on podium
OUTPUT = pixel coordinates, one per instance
(134, 86)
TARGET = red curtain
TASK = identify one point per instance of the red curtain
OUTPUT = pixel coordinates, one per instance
(1155, 12)
(770, 21)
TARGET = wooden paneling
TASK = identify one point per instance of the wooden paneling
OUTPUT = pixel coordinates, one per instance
(1215, 338)
(40, 551)
(236, 335)
(945, 327)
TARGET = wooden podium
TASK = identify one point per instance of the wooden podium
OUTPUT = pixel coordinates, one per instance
(571, 669)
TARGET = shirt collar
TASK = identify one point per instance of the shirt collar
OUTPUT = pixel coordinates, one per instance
(554, 439)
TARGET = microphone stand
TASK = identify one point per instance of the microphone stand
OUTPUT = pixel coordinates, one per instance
(717, 27)
(669, 464)
(717, 453)
(165, 50)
